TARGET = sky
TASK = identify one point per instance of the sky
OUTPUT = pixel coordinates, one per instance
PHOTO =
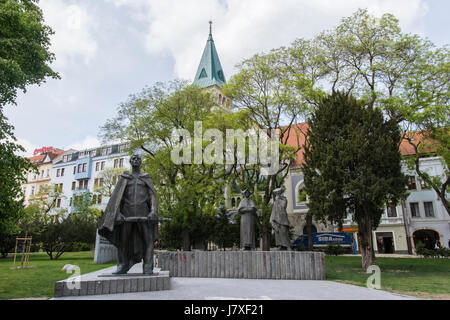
(108, 49)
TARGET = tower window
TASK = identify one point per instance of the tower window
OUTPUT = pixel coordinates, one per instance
(203, 74)
(220, 75)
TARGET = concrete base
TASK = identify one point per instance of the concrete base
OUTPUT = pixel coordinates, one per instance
(277, 265)
(103, 282)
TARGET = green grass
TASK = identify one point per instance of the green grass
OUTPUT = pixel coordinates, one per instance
(427, 278)
(39, 281)
(420, 277)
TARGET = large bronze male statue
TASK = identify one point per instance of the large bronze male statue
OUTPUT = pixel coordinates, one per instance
(130, 220)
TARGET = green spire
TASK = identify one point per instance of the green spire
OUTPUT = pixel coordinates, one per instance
(209, 72)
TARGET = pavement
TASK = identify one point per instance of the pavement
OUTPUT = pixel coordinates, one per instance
(249, 289)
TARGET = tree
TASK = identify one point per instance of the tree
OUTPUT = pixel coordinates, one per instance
(261, 89)
(24, 60)
(352, 165)
(107, 180)
(24, 48)
(188, 191)
(12, 176)
(404, 75)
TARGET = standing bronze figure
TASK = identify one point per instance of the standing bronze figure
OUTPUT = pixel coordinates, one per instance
(247, 209)
(279, 220)
(130, 220)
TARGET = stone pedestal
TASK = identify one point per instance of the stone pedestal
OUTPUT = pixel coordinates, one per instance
(277, 265)
(104, 251)
(103, 282)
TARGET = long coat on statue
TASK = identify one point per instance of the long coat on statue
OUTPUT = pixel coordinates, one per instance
(280, 222)
(111, 229)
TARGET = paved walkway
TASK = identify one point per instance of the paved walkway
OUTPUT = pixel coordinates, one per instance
(245, 289)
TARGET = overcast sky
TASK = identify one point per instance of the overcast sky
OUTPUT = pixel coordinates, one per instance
(108, 49)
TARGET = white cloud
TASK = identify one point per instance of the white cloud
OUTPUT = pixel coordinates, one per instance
(73, 39)
(28, 146)
(86, 143)
(243, 28)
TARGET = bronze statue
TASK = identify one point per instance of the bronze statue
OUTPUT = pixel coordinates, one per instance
(247, 209)
(279, 220)
(130, 220)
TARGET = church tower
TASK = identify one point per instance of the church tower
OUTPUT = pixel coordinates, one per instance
(210, 73)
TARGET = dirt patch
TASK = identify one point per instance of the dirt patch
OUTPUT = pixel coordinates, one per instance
(424, 295)
(39, 298)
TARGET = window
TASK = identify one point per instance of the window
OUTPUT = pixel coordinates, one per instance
(42, 173)
(102, 166)
(70, 202)
(48, 172)
(74, 185)
(429, 211)
(58, 203)
(116, 163)
(84, 167)
(391, 210)
(121, 163)
(62, 172)
(83, 184)
(60, 187)
(414, 206)
(94, 199)
(80, 167)
(99, 199)
(32, 190)
(412, 183)
(58, 172)
(97, 166)
(74, 169)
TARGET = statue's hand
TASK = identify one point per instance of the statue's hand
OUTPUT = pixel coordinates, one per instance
(120, 219)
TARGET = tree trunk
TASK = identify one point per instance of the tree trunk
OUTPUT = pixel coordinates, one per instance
(266, 239)
(365, 234)
(186, 240)
(309, 231)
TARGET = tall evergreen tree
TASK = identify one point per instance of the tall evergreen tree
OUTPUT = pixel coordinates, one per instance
(352, 165)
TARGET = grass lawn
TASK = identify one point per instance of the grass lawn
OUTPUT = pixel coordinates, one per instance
(39, 281)
(424, 278)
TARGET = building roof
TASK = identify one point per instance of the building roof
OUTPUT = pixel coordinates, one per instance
(210, 72)
(297, 135)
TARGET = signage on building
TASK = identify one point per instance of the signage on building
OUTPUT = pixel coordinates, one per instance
(42, 150)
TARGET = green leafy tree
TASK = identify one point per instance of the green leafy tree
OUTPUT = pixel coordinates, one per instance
(261, 90)
(188, 191)
(12, 176)
(404, 75)
(352, 165)
(24, 60)
(24, 48)
(107, 180)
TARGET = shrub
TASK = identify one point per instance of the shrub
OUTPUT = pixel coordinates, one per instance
(334, 250)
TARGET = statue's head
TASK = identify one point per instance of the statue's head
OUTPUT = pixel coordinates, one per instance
(279, 191)
(136, 161)
(246, 193)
